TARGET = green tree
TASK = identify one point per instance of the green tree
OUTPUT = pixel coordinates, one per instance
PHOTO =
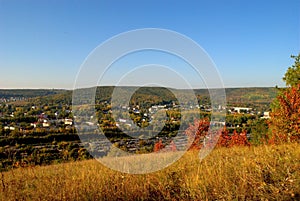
(259, 131)
(292, 75)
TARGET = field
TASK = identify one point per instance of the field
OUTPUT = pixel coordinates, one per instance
(239, 173)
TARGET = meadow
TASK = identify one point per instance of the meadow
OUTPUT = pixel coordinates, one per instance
(269, 172)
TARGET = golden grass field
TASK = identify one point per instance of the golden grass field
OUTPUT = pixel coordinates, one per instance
(240, 173)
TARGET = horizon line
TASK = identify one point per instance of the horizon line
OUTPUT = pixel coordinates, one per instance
(70, 89)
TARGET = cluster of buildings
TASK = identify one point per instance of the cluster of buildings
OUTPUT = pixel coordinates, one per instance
(44, 121)
(12, 99)
(247, 110)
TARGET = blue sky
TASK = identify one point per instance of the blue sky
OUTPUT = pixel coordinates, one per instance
(43, 43)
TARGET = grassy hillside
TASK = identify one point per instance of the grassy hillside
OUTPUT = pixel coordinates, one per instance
(255, 173)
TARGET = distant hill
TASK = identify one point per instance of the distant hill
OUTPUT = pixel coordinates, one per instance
(28, 93)
(258, 97)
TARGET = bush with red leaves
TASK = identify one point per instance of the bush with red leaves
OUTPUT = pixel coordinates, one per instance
(199, 134)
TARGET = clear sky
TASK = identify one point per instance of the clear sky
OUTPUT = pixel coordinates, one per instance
(43, 43)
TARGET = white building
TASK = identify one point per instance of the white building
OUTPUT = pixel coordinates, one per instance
(68, 121)
(266, 115)
(240, 109)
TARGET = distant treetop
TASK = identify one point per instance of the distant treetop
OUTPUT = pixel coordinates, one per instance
(292, 75)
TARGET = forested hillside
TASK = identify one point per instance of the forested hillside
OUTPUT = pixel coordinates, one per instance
(259, 97)
(28, 93)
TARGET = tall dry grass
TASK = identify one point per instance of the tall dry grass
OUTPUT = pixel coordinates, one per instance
(241, 173)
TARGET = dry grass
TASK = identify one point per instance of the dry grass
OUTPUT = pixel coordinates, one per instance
(256, 173)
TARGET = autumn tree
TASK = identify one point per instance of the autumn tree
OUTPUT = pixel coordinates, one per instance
(239, 139)
(231, 140)
(224, 138)
(285, 115)
(196, 132)
(201, 135)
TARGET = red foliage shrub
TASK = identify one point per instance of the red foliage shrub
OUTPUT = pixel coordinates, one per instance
(239, 139)
(224, 138)
(158, 146)
(173, 146)
(285, 116)
(196, 132)
(200, 134)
